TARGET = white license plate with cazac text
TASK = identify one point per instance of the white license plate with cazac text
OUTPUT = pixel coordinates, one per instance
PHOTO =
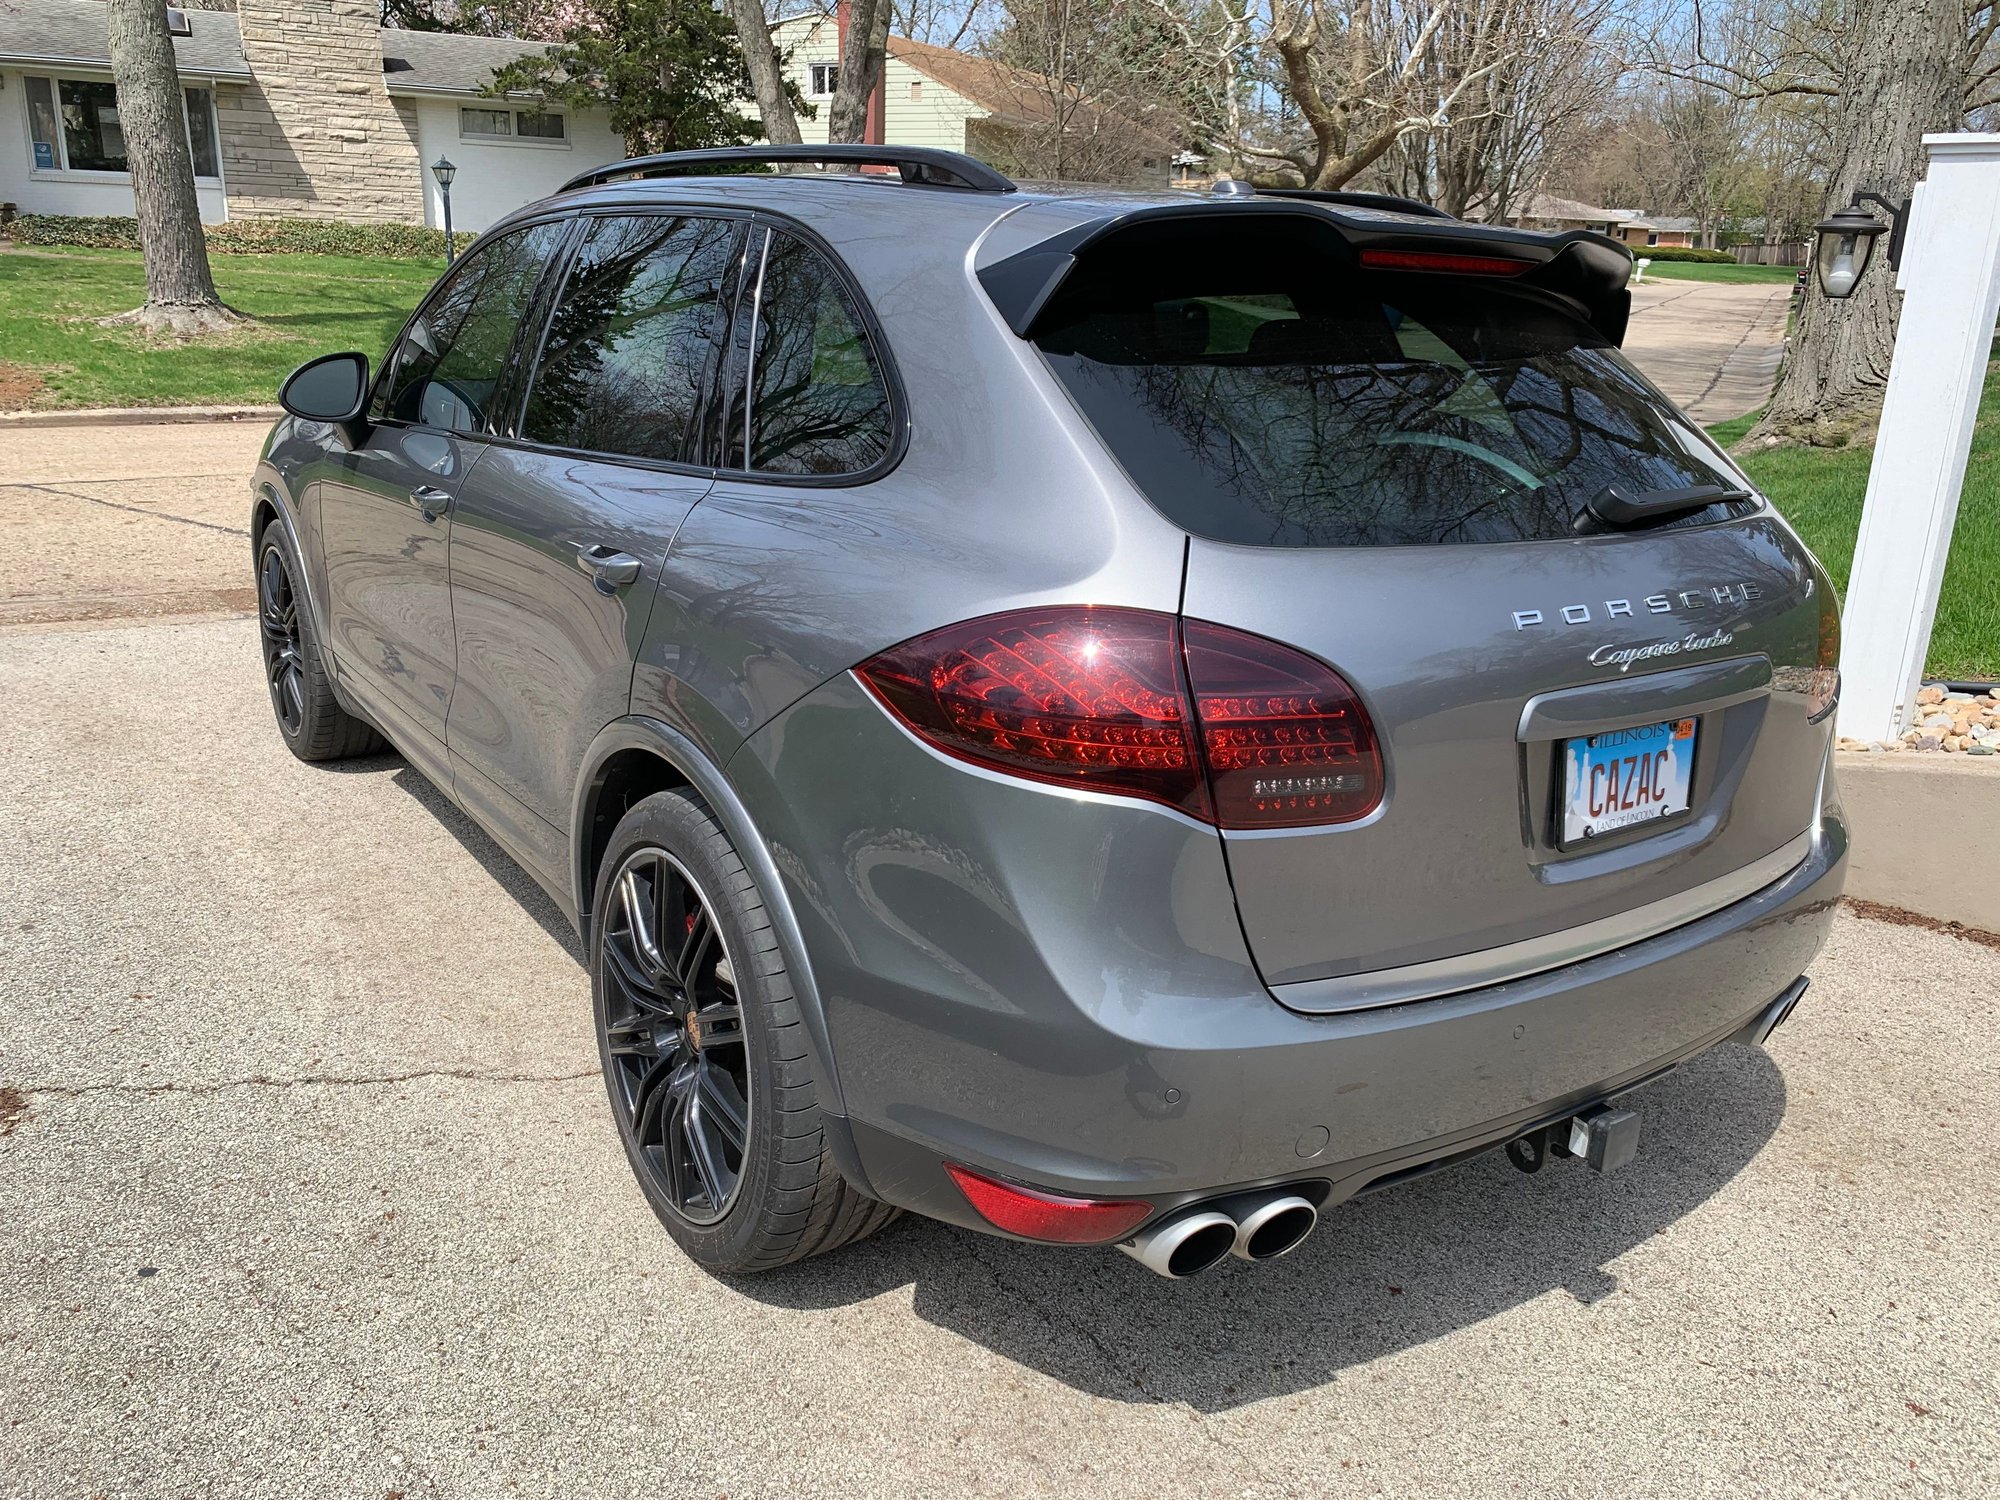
(1626, 776)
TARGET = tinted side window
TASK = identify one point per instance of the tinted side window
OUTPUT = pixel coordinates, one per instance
(453, 355)
(634, 339)
(821, 406)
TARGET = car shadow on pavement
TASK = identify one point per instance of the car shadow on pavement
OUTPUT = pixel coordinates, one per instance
(1383, 1273)
(494, 860)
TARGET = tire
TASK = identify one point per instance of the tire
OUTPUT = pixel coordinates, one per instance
(671, 860)
(314, 725)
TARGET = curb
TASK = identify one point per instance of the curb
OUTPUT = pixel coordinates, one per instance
(135, 416)
(1896, 805)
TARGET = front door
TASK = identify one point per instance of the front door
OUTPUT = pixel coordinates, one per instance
(386, 509)
(557, 545)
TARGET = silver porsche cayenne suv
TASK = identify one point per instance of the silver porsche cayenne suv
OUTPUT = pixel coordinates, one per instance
(1109, 718)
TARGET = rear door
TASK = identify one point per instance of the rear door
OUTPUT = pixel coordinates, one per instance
(385, 508)
(559, 538)
(1393, 471)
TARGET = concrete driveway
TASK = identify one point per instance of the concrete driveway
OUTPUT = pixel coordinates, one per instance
(307, 1188)
(1714, 347)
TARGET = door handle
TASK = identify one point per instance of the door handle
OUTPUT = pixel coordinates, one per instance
(609, 569)
(431, 500)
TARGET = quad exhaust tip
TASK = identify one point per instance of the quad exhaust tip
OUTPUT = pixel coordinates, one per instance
(1274, 1227)
(1257, 1229)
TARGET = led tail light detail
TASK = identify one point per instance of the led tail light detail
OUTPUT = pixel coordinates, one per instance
(1083, 697)
(1225, 726)
(1288, 744)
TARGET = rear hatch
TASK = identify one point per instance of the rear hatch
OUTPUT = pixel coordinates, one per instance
(1432, 469)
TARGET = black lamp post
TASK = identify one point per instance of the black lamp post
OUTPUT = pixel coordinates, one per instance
(1847, 243)
(444, 171)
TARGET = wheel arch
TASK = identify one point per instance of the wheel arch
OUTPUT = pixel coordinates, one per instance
(269, 503)
(637, 756)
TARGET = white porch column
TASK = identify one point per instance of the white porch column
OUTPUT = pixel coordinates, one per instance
(1950, 277)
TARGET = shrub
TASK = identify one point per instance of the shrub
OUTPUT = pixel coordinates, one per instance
(1666, 252)
(66, 229)
(246, 236)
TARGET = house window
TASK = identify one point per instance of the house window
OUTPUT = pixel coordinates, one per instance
(73, 126)
(93, 141)
(536, 125)
(916, 90)
(486, 122)
(200, 106)
(824, 76)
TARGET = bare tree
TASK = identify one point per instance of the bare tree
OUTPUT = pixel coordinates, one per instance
(1360, 75)
(180, 290)
(767, 74)
(1515, 123)
(862, 55)
(1885, 72)
(958, 24)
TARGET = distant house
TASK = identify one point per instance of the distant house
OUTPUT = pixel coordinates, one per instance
(934, 96)
(1630, 226)
(1547, 211)
(294, 108)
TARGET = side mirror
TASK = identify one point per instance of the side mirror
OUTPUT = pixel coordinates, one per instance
(332, 388)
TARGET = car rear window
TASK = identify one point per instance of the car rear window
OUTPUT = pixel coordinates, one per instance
(1294, 400)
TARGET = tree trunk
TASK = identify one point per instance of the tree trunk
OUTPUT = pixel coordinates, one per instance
(860, 70)
(1906, 76)
(767, 78)
(180, 292)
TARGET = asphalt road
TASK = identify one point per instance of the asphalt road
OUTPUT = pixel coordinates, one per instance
(307, 1188)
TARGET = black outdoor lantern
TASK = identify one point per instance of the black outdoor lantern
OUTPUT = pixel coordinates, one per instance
(1847, 243)
(444, 171)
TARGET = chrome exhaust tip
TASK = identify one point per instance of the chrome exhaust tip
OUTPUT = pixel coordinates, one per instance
(1184, 1246)
(1274, 1227)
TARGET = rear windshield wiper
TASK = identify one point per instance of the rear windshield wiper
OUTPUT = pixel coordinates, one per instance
(1613, 506)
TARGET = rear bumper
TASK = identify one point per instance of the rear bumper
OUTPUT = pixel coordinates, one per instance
(1053, 992)
(1343, 1104)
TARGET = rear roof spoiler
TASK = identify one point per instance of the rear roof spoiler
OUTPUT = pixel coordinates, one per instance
(1589, 269)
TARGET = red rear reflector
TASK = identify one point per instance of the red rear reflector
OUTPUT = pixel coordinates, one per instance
(1081, 696)
(1051, 1217)
(1095, 698)
(1288, 743)
(1445, 261)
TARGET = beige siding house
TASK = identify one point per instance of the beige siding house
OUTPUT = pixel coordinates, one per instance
(934, 96)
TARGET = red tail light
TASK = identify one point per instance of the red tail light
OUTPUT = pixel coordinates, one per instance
(1442, 260)
(1052, 1217)
(1288, 744)
(1823, 686)
(1099, 699)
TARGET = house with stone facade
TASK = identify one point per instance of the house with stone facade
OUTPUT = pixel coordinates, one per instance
(303, 109)
(312, 109)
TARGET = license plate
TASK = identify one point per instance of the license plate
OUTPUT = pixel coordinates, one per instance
(1625, 777)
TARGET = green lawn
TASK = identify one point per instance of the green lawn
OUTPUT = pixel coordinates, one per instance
(1819, 491)
(1694, 270)
(53, 353)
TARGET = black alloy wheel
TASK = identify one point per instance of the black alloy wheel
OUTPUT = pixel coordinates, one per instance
(284, 651)
(678, 1064)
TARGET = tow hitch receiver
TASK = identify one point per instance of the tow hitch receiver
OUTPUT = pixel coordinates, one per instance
(1605, 1138)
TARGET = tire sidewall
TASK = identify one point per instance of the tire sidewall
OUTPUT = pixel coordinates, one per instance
(277, 539)
(676, 823)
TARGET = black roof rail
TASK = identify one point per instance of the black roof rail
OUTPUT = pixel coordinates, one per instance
(923, 166)
(1387, 202)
